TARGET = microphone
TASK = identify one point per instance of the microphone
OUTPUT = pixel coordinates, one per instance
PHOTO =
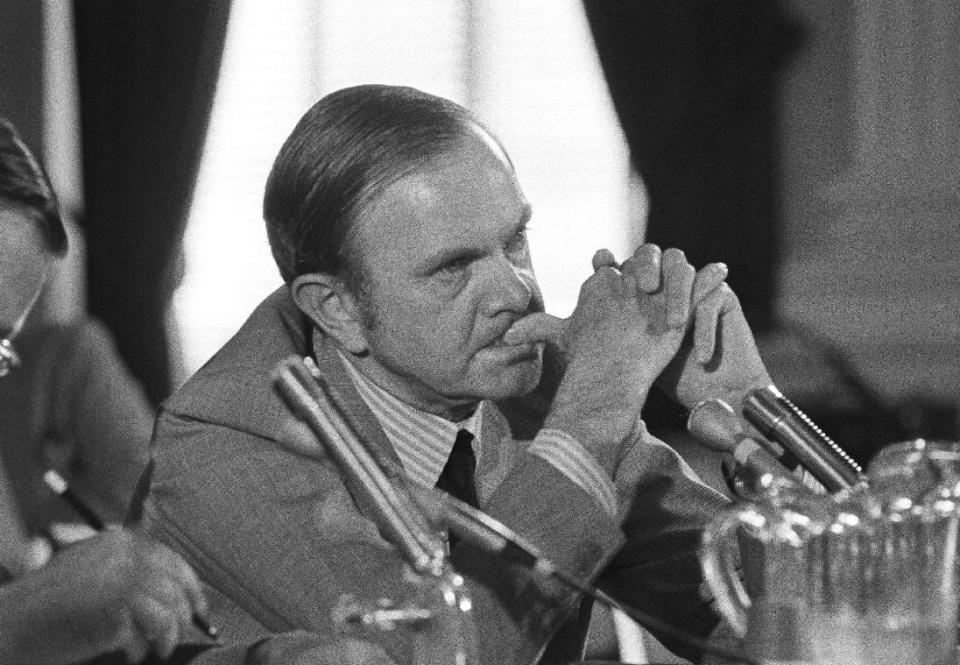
(9, 359)
(481, 530)
(714, 424)
(404, 508)
(394, 509)
(780, 420)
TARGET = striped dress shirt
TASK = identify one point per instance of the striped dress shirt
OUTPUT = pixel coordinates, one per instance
(423, 441)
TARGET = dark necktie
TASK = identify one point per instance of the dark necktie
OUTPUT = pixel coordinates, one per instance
(456, 478)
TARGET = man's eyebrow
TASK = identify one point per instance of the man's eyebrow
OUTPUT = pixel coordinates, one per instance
(449, 254)
(526, 212)
(468, 253)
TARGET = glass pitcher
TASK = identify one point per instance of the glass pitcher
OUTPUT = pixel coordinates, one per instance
(882, 583)
(867, 576)
(755, 557)
(434, 608)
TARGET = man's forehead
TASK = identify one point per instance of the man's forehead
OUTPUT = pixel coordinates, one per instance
(464, 186)
(421, 191)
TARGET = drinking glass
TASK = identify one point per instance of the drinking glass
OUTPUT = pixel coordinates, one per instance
(883, 583)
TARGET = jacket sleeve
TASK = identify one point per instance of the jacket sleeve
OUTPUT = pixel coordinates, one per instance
(281, 540)
(664, 508)
(97, 405)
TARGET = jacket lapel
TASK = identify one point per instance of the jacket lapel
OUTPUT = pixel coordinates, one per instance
(357, 414)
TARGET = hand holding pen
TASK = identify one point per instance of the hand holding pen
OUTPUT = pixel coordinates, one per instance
(146, 564)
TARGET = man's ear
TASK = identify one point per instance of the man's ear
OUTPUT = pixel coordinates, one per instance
(331, 307)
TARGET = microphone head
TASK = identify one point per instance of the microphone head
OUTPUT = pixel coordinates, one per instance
(714, 423)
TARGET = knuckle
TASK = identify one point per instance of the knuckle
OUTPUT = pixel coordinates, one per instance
(646, 254)
(717, 267)
(607, 274)
(603, 256)
(674, 255)
(725, 293)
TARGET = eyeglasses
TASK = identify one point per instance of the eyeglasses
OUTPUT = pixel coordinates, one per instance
(8, 357)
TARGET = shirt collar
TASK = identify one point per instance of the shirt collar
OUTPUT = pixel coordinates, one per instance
(422, 440)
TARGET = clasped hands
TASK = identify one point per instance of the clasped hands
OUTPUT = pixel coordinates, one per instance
(653, 318)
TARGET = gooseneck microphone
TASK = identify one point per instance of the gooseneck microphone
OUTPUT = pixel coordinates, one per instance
(780, 420)
(394, 510)
(714, 423)
(405, 509)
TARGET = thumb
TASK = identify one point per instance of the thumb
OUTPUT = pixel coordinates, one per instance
(538, 327)
(707, 280)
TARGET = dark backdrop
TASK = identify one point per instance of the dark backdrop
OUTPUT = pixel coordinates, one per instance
(21, 69)
(147, 72)
(694, 84)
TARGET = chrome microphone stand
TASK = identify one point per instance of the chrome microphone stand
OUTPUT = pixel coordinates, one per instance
(441, 614)
(439, 610)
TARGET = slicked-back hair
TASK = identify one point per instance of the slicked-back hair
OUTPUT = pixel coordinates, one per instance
(348, 148)
(24, 182)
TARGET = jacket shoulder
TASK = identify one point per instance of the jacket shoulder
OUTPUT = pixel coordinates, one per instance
(234, 388)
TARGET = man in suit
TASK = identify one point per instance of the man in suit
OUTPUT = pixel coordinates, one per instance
(399, 228)
(120, 591)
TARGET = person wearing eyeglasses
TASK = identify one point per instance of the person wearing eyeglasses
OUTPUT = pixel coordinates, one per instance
(119, 591)
(120, 596)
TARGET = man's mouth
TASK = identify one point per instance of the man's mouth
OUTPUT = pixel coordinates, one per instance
(498, 341)
(516, 352)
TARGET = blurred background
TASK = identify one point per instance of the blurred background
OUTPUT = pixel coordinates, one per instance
(813, 145)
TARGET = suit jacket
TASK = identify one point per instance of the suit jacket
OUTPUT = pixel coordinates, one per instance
(279, 538)
(73, 407)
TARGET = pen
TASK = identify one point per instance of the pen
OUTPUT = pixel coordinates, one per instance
(59, 485)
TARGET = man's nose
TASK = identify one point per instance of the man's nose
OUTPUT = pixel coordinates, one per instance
(510, 289)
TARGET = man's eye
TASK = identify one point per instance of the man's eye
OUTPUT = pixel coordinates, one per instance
(454, 266)
(518, 243)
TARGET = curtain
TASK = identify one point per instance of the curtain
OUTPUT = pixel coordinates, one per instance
(21, 69)
(694, 84)
(147, 72)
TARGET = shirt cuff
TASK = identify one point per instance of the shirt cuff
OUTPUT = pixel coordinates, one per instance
(565, 453)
